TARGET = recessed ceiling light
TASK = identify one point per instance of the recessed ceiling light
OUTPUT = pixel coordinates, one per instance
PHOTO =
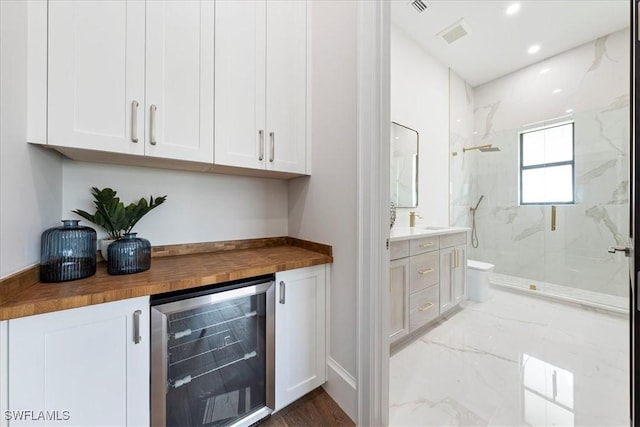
(557, 90)
(513, 9)
(533, 49)
(570, 110)
(545, 70)
(458, 120)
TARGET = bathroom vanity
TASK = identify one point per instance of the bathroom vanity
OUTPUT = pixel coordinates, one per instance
(427, 276)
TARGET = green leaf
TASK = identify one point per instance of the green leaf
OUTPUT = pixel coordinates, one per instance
(112, 215)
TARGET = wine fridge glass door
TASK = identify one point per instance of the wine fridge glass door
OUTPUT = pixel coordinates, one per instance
(210, 358)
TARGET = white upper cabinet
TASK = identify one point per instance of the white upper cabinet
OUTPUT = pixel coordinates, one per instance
(261, 85)
(132, 77)
(286, 85)
(240, 83)
(179, 80)
(95, 74)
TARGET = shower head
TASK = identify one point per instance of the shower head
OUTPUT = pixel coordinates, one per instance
(489, 148)
(483, 148)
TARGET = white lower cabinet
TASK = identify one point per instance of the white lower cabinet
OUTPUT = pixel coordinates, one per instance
(86, 366)
(300, 359)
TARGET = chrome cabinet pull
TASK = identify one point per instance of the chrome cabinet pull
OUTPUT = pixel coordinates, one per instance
(282, 292)
(152, 124)
(426, 307)
(425, 245)
(427, 271)
(261, 136)
(136, 326)
(272, 136)
(134, 121)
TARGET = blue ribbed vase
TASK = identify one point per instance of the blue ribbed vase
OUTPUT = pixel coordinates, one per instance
(128, 255)
(67, 252)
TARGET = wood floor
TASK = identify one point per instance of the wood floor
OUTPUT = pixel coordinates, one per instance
(315, 409)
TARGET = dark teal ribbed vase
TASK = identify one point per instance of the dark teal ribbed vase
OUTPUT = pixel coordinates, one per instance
(129, 255)
(67, 252)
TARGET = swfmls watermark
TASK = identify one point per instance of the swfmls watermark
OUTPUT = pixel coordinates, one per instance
(32, 415)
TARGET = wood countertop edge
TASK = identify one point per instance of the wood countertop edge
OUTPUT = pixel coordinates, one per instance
(26, 299)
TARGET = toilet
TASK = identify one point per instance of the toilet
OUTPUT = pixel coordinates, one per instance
(478, 280)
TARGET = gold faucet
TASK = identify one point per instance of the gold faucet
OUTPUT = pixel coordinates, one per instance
(412, 218)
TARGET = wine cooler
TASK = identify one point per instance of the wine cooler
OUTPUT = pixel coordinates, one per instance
(212, 355)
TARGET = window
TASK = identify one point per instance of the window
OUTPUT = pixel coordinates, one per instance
(547, 165)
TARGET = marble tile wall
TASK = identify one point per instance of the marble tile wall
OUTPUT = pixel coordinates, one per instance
(594, 93)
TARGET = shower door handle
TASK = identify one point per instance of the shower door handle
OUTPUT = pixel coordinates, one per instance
(625, 249)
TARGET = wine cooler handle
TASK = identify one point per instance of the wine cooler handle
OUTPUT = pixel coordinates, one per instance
(136, 326)
(282, 292)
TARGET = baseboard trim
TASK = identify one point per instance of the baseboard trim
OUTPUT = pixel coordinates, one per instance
(342, 387)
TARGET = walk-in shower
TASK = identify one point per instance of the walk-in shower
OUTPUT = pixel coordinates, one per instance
(565, 253)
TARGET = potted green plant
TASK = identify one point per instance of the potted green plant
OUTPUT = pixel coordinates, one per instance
(114, 217)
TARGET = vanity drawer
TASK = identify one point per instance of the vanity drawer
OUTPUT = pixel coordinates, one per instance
(423, 307)
(423, 271)
(425, 244)
(399, 249)
(455, 239)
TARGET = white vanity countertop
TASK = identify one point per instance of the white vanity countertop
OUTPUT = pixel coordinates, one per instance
(404, 233)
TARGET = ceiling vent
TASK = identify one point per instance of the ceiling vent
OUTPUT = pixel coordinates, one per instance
(455, 32)
(419, 5)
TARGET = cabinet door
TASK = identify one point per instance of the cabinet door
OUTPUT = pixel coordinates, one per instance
(300, 333)
(240, 134)
(96, 74)
(447, 268)
(179, 79)
(453, 276)
(398, 298)
(460, 275)
(286, 62)
(83, 361)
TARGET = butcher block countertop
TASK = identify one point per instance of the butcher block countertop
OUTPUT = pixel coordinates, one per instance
(173, 268)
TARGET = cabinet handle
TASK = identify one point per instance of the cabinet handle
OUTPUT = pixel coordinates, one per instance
(427, 271)
(152, 123)
(455, 252)
(553, 218)
(272, 136)
(426, 307)
(282, 292)
(134, 121)
(136, 326)
(261, 136)
(425, 245)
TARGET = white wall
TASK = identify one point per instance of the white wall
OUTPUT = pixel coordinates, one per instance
(31, 177)
(200, 207)
(323, 207)
(420, 100)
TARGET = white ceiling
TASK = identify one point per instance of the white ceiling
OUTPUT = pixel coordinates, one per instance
(498, 43)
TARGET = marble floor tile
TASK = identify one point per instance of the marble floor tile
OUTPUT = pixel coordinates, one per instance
(514, 360)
